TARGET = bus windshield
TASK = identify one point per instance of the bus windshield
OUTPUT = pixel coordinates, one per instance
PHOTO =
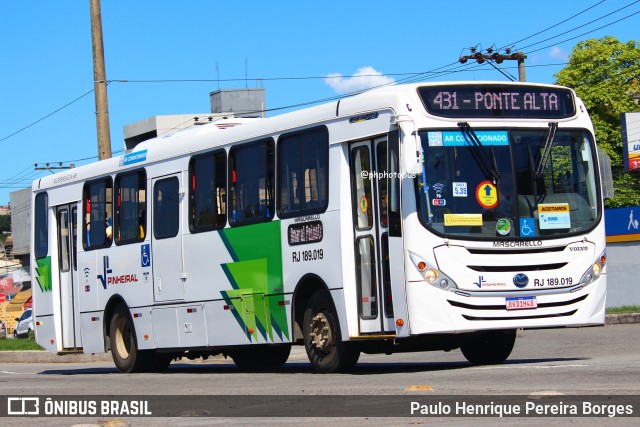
(495, 184)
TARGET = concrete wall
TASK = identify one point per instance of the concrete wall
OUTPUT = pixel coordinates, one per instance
(623, 281)
(20, 220)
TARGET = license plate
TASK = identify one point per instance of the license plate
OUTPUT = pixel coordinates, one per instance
(521, 303)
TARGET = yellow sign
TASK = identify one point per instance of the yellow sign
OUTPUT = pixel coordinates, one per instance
(554, 208)
(455, 220)
(487, 194)
(364, 204)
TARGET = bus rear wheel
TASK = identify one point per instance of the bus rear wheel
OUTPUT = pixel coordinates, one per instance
(489, 348)
(322, 339)
(124, 345)
(261, 358)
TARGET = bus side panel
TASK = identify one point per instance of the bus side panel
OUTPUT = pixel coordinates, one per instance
(165, 327)
(204, 257)
(89, 282)
(45, 330)
(91, 325)
(120, 270)
(224, 323)
(42, 291)
(192, 326)
(43, 305)
(142, 321)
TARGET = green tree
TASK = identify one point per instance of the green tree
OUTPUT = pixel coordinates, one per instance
(5, 223)
(604, 73)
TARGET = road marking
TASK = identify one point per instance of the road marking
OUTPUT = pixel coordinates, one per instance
(419, 388)
(9, 372)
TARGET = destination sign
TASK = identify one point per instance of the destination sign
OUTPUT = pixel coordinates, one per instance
(498, 101)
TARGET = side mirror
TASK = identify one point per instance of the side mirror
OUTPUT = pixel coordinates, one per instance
(411, 149)
(605, 174)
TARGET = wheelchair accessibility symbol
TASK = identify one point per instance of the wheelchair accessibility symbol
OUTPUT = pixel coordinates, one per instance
(528, 227)
(145, 255)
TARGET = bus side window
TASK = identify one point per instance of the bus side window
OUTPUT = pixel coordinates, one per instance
(41, 227)
(303, 171)
(97, 209)
(251, 181)
(130, 221)
(207, 192)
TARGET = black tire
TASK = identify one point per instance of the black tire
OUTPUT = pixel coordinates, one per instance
(261, 358)
(124, 345)
(322, 339)
(489, 348)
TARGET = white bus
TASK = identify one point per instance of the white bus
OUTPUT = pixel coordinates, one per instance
(429, 216)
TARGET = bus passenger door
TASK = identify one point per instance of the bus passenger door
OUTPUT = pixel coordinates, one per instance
(166, 239)
(368, 161)
(67, 240)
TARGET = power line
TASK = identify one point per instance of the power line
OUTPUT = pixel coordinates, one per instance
(588, 23)
(47, 116)
(552, 26)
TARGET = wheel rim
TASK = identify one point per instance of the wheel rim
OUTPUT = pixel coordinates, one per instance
(321, 336)
(123, 338)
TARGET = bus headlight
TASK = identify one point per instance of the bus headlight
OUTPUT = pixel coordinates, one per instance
(595, 271)
(431, 274)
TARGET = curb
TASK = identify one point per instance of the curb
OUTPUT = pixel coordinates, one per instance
(41, 356)
(618, 319)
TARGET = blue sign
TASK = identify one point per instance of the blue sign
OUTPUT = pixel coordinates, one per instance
(486, 137)
(528, 227)
(132, 158)
(623, 221)
(145, 255)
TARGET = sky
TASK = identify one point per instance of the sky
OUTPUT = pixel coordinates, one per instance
(165, 57)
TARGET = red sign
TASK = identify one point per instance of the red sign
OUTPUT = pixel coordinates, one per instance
(3, 297)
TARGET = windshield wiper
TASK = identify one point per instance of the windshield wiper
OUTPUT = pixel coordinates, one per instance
(488, 166)
(548, 144)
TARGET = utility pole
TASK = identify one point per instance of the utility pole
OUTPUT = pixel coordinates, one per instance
(100, 83)
(498, 58)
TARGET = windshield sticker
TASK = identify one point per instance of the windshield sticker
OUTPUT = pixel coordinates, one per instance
(459, 189)
(457, 220)
(487, 194)
(486, 137)
(554, 216)
(438, 189)
(528, 227)
(435, 139)
(503, 226)
(364, 204)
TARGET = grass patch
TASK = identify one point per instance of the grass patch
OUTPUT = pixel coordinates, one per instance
(18, 345)
(624, 309)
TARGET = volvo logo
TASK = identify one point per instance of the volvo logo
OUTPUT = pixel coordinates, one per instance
(520, 280)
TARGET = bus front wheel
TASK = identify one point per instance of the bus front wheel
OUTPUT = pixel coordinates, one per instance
(322, 339)
(489, 348)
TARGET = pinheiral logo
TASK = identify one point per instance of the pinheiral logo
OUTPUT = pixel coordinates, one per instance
(520, 280)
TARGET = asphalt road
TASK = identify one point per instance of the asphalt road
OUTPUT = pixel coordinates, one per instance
(590, 361)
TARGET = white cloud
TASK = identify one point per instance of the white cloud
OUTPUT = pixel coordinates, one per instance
(364, 78)
(558, 53)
